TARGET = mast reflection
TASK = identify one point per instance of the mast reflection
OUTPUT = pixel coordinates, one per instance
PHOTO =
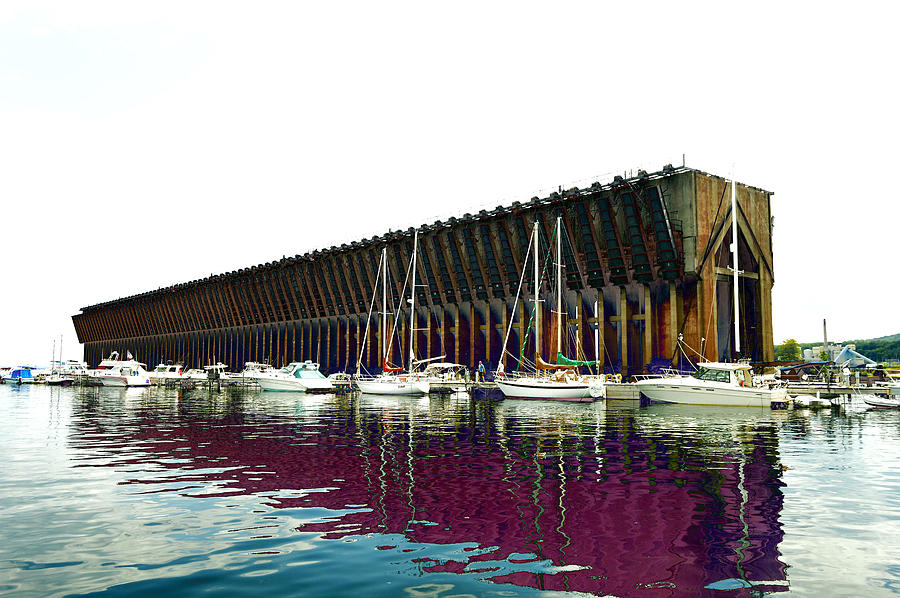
(607, 501)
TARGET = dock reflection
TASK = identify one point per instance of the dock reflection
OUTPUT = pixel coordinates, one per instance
(606, 500)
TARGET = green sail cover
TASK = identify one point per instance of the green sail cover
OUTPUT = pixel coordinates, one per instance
(563, 360)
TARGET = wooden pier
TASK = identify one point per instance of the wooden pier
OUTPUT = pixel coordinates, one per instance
(644, 263)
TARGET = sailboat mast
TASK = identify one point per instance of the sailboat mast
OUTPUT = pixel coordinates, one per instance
(537, 301)
(384, 307)
(412, 301)
(734, 257)
(558, 285)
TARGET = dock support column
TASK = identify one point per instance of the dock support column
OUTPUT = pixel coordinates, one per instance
(428, 333)
(302, 344)
(579, 325)
(521, 334)
(488, 331)
(504, 320)
(601, 330)
(472, 335)
(443, 328)
(648, 327)
(456, 339)
(672, 337)
(414, 334)
(623, 324)
(623, 328)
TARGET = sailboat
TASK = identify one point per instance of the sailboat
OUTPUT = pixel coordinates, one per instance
(57, 377)
(715, 383)
(392, 380)
(564, 383)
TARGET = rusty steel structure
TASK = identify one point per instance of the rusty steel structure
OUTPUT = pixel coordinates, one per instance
(646, 259)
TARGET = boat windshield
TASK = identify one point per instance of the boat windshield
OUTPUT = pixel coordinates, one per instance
(304, 373)
(713, 375)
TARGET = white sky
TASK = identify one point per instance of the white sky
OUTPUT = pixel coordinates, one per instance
(145, 144)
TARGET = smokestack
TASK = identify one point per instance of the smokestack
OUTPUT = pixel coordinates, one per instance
(825, 333)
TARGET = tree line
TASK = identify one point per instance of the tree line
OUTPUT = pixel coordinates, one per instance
(879, 349)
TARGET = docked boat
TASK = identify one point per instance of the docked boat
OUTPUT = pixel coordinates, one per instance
(297, 376)
(166, 371)
(392, 380)
(60, 379)
(882, 402)
(114, 372)
(209, 372)
(554, 381)
(392, 384)
(565, 385)
(342, 382)
(714, 383)
(20, 375)
(253, 369)
(442, 376)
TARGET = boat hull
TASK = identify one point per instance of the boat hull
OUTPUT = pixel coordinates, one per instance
(664, 391)
(61, 382)
(123, 381)
(390, 387)
(536, 388)
(882, 402)
(293, 384)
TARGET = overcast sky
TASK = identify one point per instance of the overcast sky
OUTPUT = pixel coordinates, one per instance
(145, 144)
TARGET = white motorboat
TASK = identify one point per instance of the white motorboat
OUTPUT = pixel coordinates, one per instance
(714, 383)
(73, 367)
(882, 402)
(253, 369)
(215, 372)
(442, 376)
(113, 372)
(297, 376)
(164, 372)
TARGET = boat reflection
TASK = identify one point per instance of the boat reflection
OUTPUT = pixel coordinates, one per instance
(559, 496)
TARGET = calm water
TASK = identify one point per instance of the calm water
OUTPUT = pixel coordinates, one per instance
(147, 493)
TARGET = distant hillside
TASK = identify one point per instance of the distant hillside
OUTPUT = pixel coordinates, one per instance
(883, 348)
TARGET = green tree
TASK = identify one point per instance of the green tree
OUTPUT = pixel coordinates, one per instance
(789, 350)
(824, 356)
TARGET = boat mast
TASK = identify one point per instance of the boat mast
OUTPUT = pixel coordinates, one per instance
(412, 301)
(501, 365)
(384, 308)
(558, 286)
(734, 257)
(537, 301)
(363, 346)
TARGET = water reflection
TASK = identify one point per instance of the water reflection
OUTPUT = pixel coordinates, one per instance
(592, 498)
